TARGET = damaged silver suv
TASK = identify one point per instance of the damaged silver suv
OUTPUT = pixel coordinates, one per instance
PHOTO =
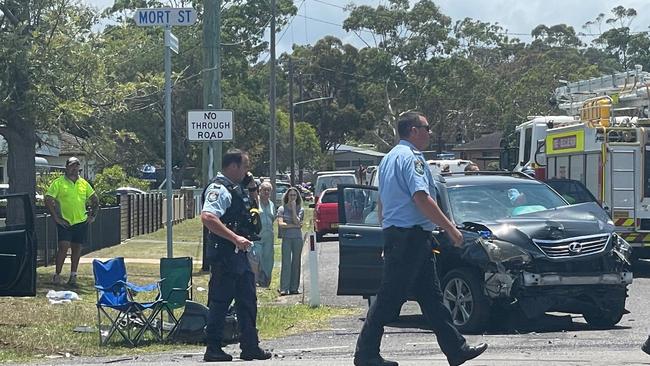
(525, 250)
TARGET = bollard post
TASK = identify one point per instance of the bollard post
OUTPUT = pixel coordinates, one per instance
(314, 290)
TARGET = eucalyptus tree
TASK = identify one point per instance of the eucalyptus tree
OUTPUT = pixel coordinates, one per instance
(410, 38)
(52, 77)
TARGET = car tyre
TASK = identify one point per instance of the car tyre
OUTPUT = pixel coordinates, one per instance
(606, 319)
(319, 236)
(462, 294)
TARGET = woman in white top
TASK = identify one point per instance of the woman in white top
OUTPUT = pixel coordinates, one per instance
(290, 216)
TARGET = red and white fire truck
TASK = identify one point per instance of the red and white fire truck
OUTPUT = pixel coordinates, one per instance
(603, 142)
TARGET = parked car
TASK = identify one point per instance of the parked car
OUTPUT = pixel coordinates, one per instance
(525, 249)
(127, 190)
(326, 215)
(331, 180)
(280, 189)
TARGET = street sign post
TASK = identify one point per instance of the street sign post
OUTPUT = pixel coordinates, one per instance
(167, 17)
(210, 125)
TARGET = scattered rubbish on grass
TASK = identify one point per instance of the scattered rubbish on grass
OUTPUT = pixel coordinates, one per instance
(61, 297)
(84, 329)
(59, 355)
(200, 289)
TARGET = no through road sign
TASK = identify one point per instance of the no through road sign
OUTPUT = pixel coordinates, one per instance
(210, 125)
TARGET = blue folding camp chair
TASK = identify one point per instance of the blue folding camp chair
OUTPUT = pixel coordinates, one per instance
(115, 302)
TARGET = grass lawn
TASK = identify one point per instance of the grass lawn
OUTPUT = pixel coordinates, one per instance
(31, 328)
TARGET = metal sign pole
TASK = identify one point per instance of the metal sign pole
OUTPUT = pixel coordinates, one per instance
(168, 137)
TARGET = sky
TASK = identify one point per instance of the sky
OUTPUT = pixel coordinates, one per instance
(519, 17)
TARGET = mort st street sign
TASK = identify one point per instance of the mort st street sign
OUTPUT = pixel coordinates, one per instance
(210, 125)
(164, 16)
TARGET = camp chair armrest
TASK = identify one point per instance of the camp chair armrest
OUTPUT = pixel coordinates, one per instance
(143, 288)
(117, 284)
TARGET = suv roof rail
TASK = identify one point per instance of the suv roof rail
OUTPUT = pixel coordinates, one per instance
(489, 172)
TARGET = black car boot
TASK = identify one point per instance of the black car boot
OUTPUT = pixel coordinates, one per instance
(216, 354)
(467, 354)
(373, 361)
(255, 354)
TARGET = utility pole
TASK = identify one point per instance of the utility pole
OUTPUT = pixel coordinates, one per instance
(272, 152)
(292, 132)
(211, 157)
(212, 151)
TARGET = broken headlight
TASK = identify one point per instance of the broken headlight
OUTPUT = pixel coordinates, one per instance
(505, 253)
(621, 247)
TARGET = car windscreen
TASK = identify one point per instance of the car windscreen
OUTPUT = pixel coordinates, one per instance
(324, 182)
(281, 188)
(495, 201)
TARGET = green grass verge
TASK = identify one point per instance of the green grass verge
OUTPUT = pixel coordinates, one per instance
(34, 329)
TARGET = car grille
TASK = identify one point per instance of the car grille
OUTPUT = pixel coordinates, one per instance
(573, 247)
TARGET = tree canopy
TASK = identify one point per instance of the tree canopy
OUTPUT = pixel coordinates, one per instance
(100, 77)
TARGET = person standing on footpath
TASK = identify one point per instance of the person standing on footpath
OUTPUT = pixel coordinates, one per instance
(408, 215)
(226, 214)
(290, 216)
(66, 200)
(265, 246)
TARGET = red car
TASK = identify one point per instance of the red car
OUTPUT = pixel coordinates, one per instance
(326, 214)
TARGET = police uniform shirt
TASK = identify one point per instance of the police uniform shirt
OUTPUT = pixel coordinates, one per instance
(217, 197)
(402, 172)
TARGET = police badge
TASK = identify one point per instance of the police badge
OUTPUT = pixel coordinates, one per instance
(419, 167)
(212, 196)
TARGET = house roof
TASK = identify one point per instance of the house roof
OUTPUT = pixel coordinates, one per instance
(490, 141)
(342, 148)
(71, 144)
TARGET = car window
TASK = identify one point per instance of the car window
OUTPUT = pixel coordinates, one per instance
(329, 197)
(361, 206)
(489, 202)
(572, 191)
(331, 181)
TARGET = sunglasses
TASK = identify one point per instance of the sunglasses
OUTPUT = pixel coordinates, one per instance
(424, 126)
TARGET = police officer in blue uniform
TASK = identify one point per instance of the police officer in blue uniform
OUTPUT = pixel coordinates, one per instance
(408, 215)
(226, 214)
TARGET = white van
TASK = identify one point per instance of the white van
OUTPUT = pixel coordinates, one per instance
(332, 180)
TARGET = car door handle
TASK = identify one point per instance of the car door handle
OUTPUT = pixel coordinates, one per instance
(352, 236)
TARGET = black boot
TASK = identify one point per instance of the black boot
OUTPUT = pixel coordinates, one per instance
(467, 354)
(373, 361)
(216, 354)
(255, 354)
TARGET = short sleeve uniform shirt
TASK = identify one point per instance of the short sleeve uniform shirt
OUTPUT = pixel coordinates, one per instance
(402, 172)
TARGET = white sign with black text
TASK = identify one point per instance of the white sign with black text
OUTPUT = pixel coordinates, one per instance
(210, 125)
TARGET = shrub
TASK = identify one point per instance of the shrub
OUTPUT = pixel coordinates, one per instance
(112, 178)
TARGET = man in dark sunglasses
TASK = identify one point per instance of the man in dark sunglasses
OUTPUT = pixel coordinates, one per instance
(408, 214)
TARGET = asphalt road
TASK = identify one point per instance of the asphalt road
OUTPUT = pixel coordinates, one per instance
(561, 340)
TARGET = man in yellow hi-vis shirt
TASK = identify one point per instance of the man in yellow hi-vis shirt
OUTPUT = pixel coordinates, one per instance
(66, 200)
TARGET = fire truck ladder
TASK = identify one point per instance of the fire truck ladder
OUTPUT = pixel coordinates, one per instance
(628, 85)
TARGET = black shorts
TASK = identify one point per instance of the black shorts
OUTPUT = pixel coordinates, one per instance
(75, 234)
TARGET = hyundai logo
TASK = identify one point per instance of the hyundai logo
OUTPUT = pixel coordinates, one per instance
(575, 247)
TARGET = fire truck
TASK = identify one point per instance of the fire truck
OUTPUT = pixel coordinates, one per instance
(603, 142)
